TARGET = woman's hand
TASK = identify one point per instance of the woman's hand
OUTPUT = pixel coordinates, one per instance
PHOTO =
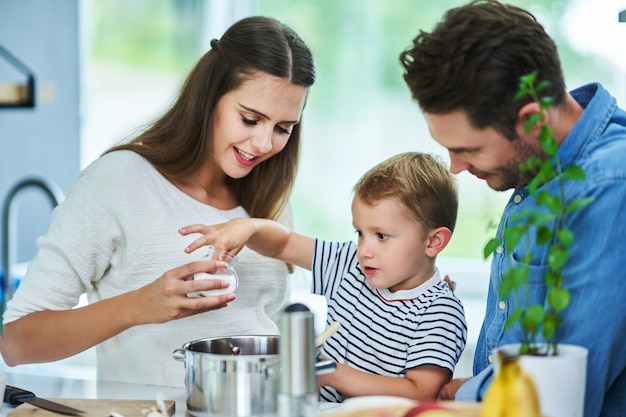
(231, 236)
(50, 335)
(166, 298)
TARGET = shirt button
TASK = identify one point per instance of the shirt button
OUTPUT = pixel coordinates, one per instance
(491, 358)
(517, 198)
(502, 305)
(499, 250)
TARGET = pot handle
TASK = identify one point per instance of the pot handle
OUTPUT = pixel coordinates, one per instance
(179, 355)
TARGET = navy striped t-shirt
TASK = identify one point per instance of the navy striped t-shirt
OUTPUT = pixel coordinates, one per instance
(383, 332)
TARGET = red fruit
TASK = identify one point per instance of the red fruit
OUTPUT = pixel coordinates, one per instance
(429, 409)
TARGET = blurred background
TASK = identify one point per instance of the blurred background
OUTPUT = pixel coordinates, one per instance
(106, 68)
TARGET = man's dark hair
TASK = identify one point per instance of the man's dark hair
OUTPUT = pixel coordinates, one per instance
(473, 59)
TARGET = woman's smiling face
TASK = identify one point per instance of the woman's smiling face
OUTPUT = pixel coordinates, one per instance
(254, 122)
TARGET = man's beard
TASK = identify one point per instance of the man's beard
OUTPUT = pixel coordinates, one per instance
(510, 175)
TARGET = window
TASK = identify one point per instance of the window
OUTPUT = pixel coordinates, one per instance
(359, 110)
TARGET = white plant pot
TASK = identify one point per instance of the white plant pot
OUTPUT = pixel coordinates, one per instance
(560, 380)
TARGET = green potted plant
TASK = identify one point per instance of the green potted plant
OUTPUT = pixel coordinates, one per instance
(546, 225)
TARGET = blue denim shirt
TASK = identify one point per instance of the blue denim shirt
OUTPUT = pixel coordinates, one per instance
(595, 273)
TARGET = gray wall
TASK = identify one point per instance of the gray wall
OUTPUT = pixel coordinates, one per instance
(42, 141)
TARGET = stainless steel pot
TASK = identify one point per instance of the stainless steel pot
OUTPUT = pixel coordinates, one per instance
(232, 377)
(235, 376)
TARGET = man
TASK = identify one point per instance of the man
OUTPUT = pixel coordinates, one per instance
(464, 75)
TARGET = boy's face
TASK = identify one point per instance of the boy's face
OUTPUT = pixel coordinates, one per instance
(484, 153)
(391, 245)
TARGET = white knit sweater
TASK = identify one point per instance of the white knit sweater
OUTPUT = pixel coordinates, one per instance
(117, 230)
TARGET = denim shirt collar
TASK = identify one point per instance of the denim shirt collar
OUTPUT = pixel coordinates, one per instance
(596, 100)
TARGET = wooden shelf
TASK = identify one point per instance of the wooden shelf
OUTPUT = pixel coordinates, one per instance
(13, 94)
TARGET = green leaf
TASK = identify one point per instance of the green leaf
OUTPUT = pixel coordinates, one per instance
(490, 247)
(548, 144)
(532, 121)
(529, 79)
(546, 173)
(579, 203)
(552, 202)
(542, 85)
(513, 279)
(519, 277)
(546, 102)
(574, 172)
(544, 235)
(531, 164)
(565, 237)
(549, 327)
(506, 285)
(558, 299)
(543, 197)
(533, 185)
(525, 166)
(513, 234)
(521, 92)
(532, 319)
(543, 217)
(524, 348)
(536, 313)
(552, 278)
(557, 256)
(513, 318)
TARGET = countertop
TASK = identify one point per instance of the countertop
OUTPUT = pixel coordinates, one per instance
(67, 387)
(46, 386)
(58, 387)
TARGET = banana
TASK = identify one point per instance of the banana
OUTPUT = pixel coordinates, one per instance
(512, 392)
(494, 402)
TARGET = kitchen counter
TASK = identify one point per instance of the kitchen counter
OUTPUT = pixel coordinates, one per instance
(58, 387)
(46, 386)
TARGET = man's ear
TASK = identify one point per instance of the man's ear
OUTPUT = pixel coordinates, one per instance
(523, 115)
(437, 240)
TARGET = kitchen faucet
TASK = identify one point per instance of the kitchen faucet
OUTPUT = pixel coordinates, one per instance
(9, 225)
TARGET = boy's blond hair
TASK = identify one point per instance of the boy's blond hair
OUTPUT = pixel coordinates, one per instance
(420, 181)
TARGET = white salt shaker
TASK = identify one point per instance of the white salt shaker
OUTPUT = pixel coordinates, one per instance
(228, 274)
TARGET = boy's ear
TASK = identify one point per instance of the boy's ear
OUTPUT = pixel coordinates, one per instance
(437, 240)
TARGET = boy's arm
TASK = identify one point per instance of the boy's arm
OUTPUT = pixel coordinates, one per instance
(267, 237)
(421, 383)
(273, 239)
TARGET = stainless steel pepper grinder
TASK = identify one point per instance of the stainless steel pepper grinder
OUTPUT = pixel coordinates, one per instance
(298, 395)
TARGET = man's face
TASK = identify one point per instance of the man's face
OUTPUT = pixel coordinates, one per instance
(485, 153)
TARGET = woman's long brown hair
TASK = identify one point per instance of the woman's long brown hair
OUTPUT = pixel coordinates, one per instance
(179, 143)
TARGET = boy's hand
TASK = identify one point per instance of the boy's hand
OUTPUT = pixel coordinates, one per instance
(230, 236)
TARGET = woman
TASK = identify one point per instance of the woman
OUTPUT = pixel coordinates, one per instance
(227, 148)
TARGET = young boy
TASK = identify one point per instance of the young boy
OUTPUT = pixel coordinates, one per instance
(402, 329)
